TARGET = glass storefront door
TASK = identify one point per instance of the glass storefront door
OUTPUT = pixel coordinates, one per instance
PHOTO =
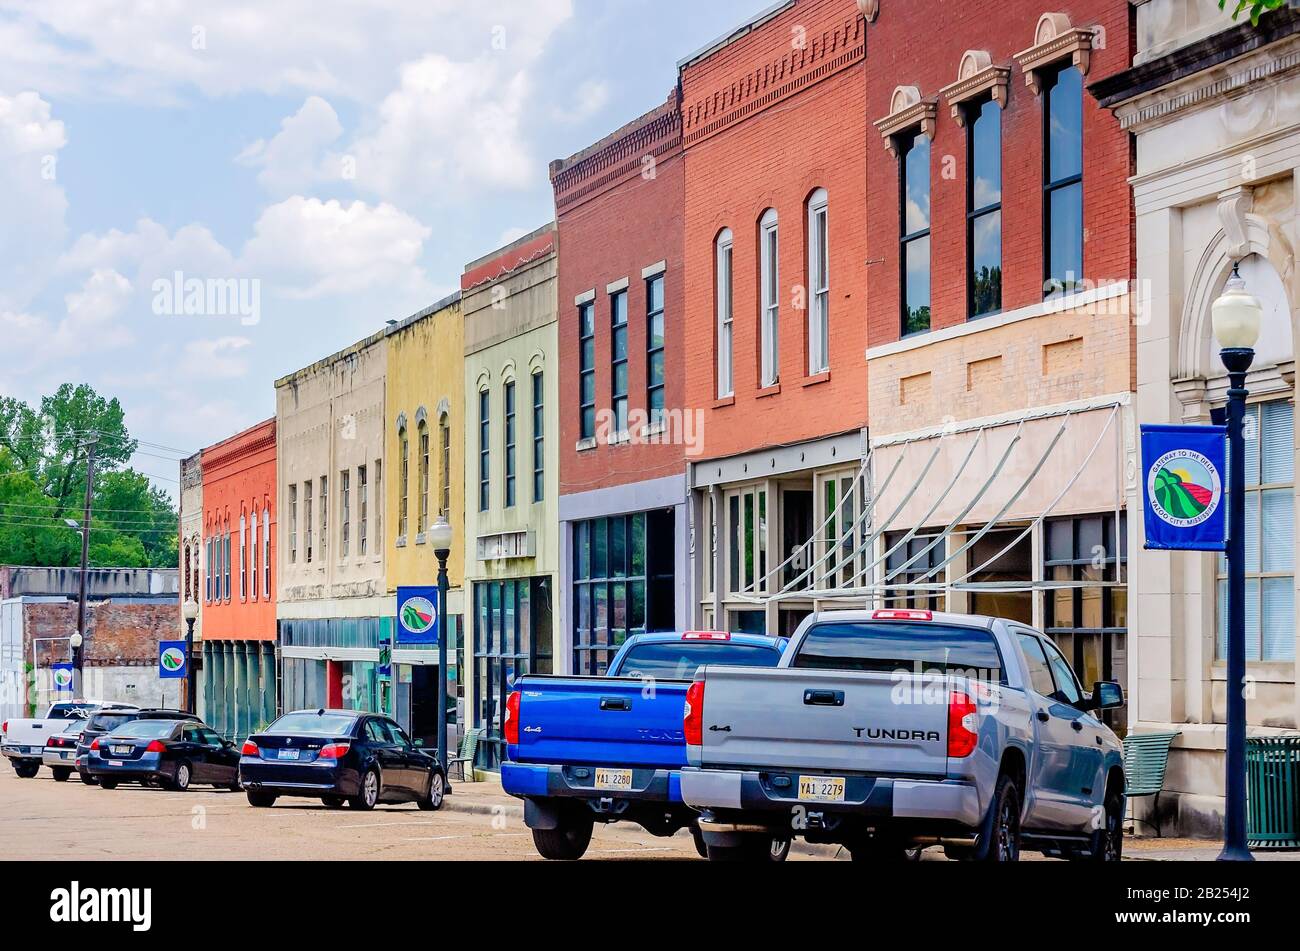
(512, 637)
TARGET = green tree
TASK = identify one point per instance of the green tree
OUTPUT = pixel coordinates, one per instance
(1257, 8)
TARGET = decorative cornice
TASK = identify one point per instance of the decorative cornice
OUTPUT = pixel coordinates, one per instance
(774, 81)
(1054, 40)
(976, 77)
(870, 9)
(907, 112)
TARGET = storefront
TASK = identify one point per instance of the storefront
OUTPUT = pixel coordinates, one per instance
(512, 637)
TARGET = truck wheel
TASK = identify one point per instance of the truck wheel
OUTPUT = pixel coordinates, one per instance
(26, 770)
(698, 838)
(61, 773)
(999, 839)
(1107, 843)
(566, 842)
(755, 847)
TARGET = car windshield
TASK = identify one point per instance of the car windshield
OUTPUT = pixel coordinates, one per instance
(678, 660)
(312, 724)
(153, 729)
(107, 722)
(916, 647)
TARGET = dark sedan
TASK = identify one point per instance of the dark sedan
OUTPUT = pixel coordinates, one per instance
(169, 753)
(104, 722)
(339, 756)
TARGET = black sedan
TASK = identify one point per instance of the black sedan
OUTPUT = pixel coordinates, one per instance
(103, 722)
(169, 753)
(340, 756)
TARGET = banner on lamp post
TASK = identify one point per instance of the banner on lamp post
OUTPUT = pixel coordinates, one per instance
(1184, 471)
(417, 615)
(172, 661)
(62, 674)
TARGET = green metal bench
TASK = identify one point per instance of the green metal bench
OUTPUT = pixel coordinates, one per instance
(1146, 755)
(467, 753)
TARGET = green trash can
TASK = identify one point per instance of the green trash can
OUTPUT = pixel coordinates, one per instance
(1273, 792)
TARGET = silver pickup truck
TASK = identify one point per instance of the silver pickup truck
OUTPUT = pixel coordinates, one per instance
(889, 730)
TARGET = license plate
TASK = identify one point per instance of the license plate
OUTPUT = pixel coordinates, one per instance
(121, 750)
(288, 754)
(821, 788)
(114, 762)
(617, 779)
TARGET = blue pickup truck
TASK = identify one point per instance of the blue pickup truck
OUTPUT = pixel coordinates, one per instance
(582, 750)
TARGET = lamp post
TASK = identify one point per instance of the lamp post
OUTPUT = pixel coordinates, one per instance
(76, 526)
(441, 537)
(189, 611)
(1237, 316)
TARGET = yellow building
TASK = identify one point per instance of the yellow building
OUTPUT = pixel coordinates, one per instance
(425, 458)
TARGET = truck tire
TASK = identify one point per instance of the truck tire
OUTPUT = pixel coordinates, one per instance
(999, 838)
(1107, 843)
(698, 838)
(61, 773)
(568, 841)
(754, 847)
(26, 770)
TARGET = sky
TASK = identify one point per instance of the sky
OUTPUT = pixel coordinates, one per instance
(200, 196)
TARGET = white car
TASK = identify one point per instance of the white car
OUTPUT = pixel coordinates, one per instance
(23, 742)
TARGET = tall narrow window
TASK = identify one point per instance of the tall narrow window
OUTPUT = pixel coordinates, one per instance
(539, 439)
(363, 507)
(227, 561)
(484, 451)
(587, 370)
(243, 556)
(293, 524)
(307, 522)
(253, 549)
(1063, 182)
(345, 512)
(378, 472)
(403, 481)
(654, 357)
(915, 231)
(444, 441)
(984, 210)
(510, 443)
(324, 517)
(770, 282)
(724, 319)
(207, 569)
(618, 360)
(819, 284)
(423, 523)
(266, 550)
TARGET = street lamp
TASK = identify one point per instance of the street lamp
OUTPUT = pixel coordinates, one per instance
(441, 537)
(189, 611)
(1237, 316)
(76, 526)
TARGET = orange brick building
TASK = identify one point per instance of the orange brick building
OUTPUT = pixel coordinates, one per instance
(239, 578)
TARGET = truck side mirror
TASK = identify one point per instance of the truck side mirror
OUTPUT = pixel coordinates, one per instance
(1106, 695)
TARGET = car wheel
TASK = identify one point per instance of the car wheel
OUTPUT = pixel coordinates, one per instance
(108, 784)
(26, 770)
(61, 773)
(182, 781)
(333, 802)
(999, 839)
(88, 779)
(261, 800)
(698, 838)
(568, 841)
(368, 798)
(437, 790)
(755, 847)
(1107, 843)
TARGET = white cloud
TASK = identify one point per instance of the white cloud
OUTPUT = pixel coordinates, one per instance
(32, 229)
(222, 358)
(293, 159)
(308, 248)
(590, 97)
(93, 320)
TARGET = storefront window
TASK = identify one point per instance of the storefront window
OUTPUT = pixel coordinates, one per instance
(512, 637)
(910, 564)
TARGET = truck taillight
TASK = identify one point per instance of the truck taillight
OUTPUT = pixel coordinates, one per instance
(706, 636)
(250, 749)
(963, 725)
(511, 726)
(693, 714)
(900, 614)
(334, 751)
(4, 727)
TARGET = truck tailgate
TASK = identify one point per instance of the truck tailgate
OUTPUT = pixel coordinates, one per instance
(601, 721)
(828, 720)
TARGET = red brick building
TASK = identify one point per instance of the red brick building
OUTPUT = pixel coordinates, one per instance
(1001, 355)
(623, 430)
(774, 120)
(239, 577)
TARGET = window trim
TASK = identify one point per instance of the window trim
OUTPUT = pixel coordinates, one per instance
(539, 436)
(510, 441)
(907, 142)
(1050, 78)
(586, 369)
(484, 450)
(819, 260)
(975, 109)
(655, 417)
(617, 399)
(769, 312)
(724, 313)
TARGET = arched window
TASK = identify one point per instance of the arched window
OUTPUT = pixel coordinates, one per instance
(424, 477)
(186, 562)
(252, 554)
(444, 443)
(404, 482)
(722, 259)
(770, 287)
(243, 557)
(266, 549)
(819, 283)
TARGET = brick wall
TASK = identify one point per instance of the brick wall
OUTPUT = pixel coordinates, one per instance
(768, 119)
(118, 632)
(619, 210)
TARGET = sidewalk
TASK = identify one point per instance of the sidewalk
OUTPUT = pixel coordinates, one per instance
(487, 798)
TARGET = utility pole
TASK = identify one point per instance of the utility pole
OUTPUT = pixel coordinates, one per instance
(78, 651)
